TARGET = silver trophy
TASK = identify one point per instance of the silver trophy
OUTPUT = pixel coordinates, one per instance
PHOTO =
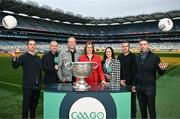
(81, 70)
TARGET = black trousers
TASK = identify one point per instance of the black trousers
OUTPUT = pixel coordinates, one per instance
(133, 105)
(133, 102)
(146, 98)
(29, 103)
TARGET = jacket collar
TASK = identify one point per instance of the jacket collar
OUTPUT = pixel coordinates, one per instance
(88, 57)
(68, 50)
(31, 54)
(56, 54)
(110, 63)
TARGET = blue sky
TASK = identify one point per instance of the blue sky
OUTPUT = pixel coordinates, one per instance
(112, 8)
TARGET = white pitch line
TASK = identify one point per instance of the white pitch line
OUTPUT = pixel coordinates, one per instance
(15, 85)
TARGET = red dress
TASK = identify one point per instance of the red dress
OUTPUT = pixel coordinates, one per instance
(97, 74)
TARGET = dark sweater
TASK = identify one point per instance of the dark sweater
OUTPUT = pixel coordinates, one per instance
(146, 70)
(127, 68)
(31, 65)
(48, 64)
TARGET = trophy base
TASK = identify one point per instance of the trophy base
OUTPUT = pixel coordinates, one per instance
(81, 87)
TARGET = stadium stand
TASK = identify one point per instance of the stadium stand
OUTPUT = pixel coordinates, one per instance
(34, 24)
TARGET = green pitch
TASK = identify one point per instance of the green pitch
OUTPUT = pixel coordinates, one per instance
(167, 100)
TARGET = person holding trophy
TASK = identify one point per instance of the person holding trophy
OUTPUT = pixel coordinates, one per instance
(97, 75)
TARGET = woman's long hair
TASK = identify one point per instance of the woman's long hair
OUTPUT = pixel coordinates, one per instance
(105, 57)
(85, 48)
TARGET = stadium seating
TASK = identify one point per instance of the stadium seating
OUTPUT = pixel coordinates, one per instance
(111, 35)
(44, 46)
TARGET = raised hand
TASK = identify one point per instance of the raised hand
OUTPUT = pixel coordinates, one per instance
(163, 66)
(13, 54)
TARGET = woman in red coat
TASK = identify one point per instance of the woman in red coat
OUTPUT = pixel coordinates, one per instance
(90, 56)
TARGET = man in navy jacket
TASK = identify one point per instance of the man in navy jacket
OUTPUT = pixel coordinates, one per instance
(49, 65)
(147, 64)
(31, 65)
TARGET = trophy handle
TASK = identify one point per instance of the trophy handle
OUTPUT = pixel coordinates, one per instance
(96, 65)
(66, 65)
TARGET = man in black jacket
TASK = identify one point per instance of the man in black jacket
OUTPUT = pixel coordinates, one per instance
(49, 65)
(147, 63)
(127, 60)
(31, 65)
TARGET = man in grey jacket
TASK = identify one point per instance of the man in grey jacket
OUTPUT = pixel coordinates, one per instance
(68, 55)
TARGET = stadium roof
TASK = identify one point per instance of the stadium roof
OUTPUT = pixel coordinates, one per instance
(32, 9)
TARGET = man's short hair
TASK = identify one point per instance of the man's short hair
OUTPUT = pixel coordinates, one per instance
(71, 37)
(144, 40)
(54, 40)
(125, 41)
(29, 41)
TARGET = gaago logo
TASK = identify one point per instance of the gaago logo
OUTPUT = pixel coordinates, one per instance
(87, 108)
(85, 115)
